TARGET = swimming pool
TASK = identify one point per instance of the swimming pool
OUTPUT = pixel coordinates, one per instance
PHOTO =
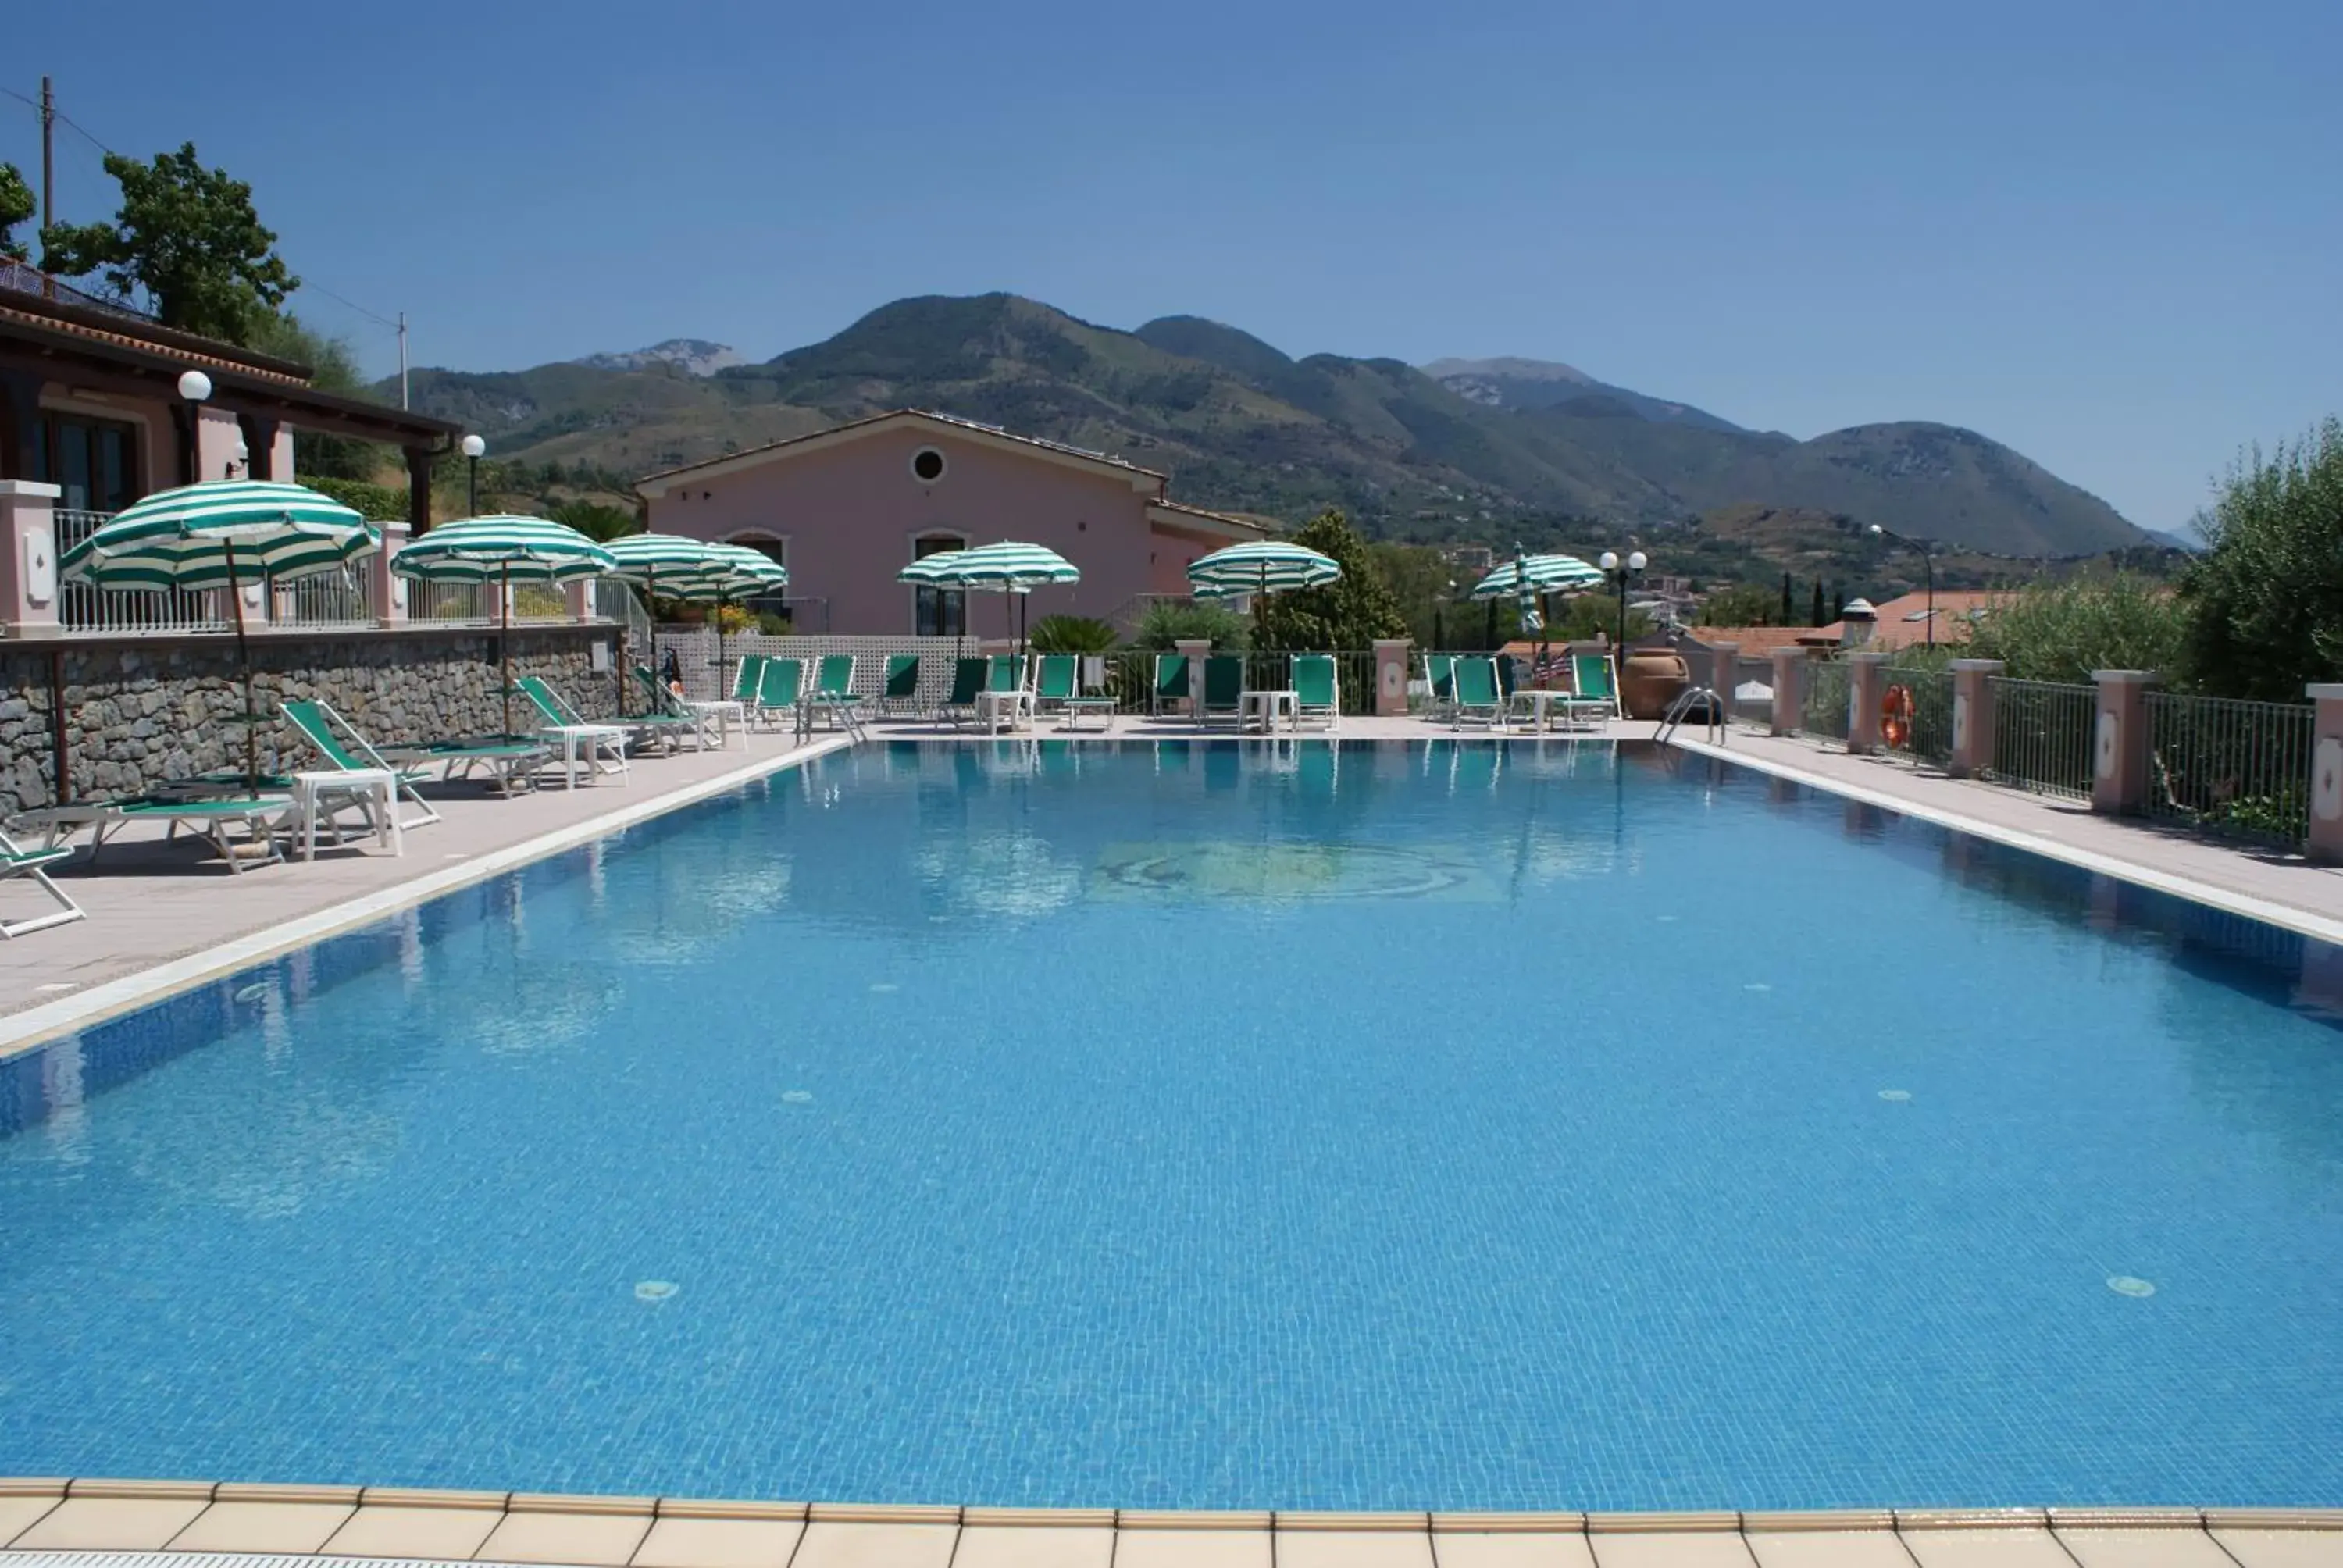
(1433, 1125)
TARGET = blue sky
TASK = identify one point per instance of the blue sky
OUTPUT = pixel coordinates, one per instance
(2109, 235)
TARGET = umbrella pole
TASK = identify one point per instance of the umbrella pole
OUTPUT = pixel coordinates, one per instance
(650, 608)
(503, 639)
(244, 657)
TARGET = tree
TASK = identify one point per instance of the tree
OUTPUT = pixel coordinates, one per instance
(1070, 634)
(1788, 609)
(2063, 631)
(597, 520)
(1742, 604)
(333, 367)
(1347, 614)
(1168, 622)
(189, 238)
(2267, 596)
(16, 204)
(1814, 615)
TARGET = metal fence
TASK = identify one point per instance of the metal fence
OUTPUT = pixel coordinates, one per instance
(2042, 736)
(1931, 737)
(328, 601)
(2238, 769)
(82, 608)
(451, 603)
(1828, 688)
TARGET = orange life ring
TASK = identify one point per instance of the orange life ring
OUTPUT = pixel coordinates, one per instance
(1896, 716)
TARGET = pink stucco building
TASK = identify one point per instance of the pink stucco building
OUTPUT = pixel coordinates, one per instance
(848, 508)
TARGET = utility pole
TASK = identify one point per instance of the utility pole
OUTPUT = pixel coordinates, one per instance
(48, 179)
(402, 359)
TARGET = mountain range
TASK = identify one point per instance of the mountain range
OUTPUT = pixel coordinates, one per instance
(1459, 449)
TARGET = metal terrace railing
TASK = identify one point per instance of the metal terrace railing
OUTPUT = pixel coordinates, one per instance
(82, 608)
(2042, 736)
(22, 278)
(327, 601)
(2237, 769)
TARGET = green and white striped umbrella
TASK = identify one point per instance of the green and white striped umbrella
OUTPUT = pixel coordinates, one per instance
(656, 561)
(204, 536)
(1005, 567)
(746, 570)
(1538, 574)
(223, 534)
(1008, 567)
(1262, 567)
(497, 548)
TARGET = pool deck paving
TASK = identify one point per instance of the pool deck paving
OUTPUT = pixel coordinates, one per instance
(54, 1518)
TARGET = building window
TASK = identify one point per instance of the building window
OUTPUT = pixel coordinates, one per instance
(937, 612)
(774, 600)
(927, 467)
(94, 462)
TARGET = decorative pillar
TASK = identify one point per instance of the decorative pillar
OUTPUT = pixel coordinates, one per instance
(1789, 690)
(2325, 840)
(1723, 672)
(418, 490)
(1196, 649)
(1865, 681)
(1973, 716)
(259, 432)
(1393, 657)
(28, 557)
(579, 596)
(2120, 741)
(389, 588)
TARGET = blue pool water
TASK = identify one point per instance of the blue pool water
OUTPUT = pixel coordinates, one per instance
(1400, 1127)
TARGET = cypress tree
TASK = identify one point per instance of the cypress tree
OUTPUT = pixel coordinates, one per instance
(1787, 609)
(1816, 619)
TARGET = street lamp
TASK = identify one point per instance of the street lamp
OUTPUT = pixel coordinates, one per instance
(1621, 572)
(194, 387)
(474, 448)
(1927, 565)
(239, 457)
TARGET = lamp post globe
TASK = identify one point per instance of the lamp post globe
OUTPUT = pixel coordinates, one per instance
(474, 448)
(194, 386)
(1609, 561)
(1636, 562)
(239, 457)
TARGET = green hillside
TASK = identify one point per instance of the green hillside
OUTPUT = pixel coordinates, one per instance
(1240, 425)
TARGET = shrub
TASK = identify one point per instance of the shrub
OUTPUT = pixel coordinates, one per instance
(377, 503)
(1168, 621)
(2063, 631)
(1070, 634)
(2266, 598)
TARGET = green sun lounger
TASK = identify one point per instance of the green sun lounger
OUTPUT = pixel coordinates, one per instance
(19, 864)
(1224, 680)
(745, 678)
(601, 748)
(780, 687)
(337, 740)
(1440, 684)
(209, 818)
(899, 693)
(1317, 692)
(671, 718)
(832, 697)
(1594, 691)
(1477, 699)
(1171, 686)
(969, 676)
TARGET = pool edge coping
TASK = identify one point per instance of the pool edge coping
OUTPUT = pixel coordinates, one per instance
(649, 1511)
(32, 1028)
(2285, 917)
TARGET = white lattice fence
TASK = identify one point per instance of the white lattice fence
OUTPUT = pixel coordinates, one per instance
(695, 651)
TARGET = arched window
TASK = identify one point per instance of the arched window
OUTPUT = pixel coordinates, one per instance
(937, 612)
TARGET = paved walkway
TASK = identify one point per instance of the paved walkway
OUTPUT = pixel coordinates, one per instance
(51, 1517)
(2268, 885)
(152, 902)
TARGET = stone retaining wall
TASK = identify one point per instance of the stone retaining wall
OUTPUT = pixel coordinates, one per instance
(141, 710)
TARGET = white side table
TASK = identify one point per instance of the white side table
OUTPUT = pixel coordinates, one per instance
(995, 707)
(1263, 708)
(374, 790)
(722, 716)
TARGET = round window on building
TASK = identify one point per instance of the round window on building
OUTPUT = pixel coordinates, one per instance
(927, 465)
